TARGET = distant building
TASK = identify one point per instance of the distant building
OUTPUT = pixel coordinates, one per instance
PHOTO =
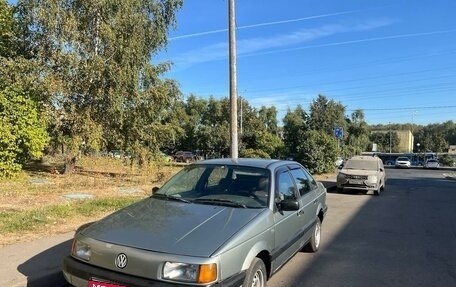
(405, 141)
(452, 149)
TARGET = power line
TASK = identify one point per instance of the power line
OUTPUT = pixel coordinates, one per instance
(405, 108)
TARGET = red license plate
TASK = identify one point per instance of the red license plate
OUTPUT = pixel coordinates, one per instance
(103, 284)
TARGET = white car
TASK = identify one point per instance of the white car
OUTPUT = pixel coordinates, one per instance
(362, 173)
(403, 162)
(432, 163)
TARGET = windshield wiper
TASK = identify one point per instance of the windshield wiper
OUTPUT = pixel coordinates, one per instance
(170, 197)
(218, 201)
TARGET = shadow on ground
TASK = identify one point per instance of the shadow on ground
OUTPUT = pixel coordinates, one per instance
(46, 267)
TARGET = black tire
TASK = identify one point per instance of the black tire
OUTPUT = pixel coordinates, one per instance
(256, 274)
(377, 192)
(314, 243)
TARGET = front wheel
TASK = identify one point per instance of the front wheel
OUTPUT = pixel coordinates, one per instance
(256, 274)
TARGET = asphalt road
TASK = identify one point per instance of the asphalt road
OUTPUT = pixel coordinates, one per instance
(404, 237)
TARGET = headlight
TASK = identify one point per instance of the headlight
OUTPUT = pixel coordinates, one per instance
(81, 250)
(341, 177)
(196, 273)
(372, 178)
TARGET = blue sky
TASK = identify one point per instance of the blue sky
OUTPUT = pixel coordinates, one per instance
(396, 60)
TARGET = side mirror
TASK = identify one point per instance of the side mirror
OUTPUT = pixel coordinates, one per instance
(289, 205)
(155, 189)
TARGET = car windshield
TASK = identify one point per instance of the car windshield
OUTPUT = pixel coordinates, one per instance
(361, 164)
(234, 186)
(402, 159)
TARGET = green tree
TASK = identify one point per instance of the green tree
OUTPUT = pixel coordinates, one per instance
(7, 29)
(268, 116)
(106, 90)
(358, 133)
(295, 124)
(326, 114)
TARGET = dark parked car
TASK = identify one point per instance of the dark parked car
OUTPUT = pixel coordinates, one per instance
(184, 156)
(219, 222)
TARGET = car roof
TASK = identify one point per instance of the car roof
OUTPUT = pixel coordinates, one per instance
(249, 162)
(364, 157)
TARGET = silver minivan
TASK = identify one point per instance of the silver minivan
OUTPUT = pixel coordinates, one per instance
(220, 222)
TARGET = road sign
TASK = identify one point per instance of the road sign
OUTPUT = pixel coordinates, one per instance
(339, 132)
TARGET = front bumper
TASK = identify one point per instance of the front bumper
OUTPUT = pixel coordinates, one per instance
(79, 273)
(363, 187)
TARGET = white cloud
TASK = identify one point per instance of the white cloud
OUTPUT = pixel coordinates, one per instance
(251, 46)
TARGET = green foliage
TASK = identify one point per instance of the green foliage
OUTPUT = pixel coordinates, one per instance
(436, 137)
(253, 153)
(447, 160)
(296, 123)
(317, 151)
(357, 138)
(385, 140)
(269, 144)
(22, 132)
(105, 91)
(7, 29)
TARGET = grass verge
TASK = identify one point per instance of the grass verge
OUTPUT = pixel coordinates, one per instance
(30, 220)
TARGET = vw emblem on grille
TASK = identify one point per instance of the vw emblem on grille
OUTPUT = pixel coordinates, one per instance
(121, 260)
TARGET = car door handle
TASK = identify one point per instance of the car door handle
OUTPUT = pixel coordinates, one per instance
(315, 201)
(301, 212)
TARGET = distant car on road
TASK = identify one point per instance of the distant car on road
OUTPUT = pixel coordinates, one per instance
(432, 163)
(403, 162)
(362, 173)
(219, 222)
(184, 156)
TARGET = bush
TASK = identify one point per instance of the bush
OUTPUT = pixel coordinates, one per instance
(254, 153)
(23, 133)
(446, 160)
(317, 151)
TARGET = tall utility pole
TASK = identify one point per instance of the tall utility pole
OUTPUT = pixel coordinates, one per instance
(233, 81)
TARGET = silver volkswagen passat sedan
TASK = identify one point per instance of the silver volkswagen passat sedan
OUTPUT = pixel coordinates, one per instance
(219, 222)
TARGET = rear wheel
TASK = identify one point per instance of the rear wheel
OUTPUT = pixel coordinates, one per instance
(256, 274)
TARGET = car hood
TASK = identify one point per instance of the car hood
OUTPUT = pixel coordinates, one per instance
(172, 227)
(359, 172)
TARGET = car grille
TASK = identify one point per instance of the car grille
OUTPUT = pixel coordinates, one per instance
(363, 177)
